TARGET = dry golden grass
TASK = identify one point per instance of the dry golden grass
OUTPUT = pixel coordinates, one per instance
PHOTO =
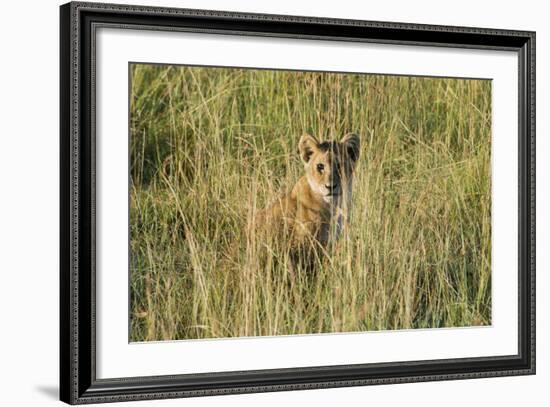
(210, 145)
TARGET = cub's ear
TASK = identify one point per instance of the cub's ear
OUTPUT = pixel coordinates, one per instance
(352, 143)
(307, 146)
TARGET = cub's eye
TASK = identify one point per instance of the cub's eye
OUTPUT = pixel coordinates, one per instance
(320, 167)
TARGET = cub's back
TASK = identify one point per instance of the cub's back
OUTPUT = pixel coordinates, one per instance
(277, 217)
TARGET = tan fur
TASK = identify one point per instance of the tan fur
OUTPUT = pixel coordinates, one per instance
(309, 218)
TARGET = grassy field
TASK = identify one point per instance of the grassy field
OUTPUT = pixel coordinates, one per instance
(210, 145)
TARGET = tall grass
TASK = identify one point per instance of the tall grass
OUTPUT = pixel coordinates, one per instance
(210, 145)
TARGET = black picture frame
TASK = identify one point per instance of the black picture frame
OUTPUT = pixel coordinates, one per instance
(78, 382)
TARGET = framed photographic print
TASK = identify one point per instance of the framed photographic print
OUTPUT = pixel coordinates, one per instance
(255, 203)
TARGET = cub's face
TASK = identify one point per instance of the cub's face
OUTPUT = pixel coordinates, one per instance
(329, 165)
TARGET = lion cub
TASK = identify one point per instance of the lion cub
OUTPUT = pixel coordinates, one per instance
(309, 218)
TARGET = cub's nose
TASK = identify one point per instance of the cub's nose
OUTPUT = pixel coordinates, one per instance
(331, 187)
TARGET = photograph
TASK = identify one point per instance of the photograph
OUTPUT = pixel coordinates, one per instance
(269, 202)
(282, 199)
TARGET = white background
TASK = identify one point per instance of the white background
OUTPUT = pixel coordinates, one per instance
(29, 163)
(117, 358)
